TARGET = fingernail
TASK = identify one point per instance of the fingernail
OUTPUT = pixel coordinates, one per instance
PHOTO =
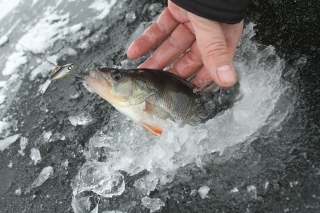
(226, 74)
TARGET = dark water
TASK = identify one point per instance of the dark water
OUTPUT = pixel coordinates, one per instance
(277, 171)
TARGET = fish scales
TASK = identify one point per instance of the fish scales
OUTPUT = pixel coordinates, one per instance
(148, 97)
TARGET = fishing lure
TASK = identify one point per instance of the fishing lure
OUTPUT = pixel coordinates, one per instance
(57, 73)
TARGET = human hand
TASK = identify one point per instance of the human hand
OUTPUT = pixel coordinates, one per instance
(207, 46)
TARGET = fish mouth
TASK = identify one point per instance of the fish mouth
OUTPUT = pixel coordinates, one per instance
(95, 73)
(94, 82)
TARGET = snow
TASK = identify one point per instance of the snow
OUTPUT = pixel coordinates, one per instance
(203, 191)
(3, 40)
(2, 98)
(2, 84)
(15, 60)
(7, 6)
(5, 143)
(75, 28)
(103, 6)
(47, 31)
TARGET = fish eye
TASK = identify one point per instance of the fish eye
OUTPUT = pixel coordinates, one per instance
(116, 76)
(70, 67)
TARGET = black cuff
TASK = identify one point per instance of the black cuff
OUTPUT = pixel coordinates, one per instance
(226, 11)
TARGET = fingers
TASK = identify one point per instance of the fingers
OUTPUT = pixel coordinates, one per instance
(214, 50)
(154, 34)
(232, 35)
(189, 63)
(177, 44)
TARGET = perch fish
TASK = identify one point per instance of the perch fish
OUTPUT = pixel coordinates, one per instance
(148, 97)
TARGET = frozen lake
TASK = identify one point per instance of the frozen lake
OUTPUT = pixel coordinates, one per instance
(77, 154)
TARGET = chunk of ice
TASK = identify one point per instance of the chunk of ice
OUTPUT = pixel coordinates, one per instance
(17, 192)
(131, 17)
(35, 155)
(44, 175)
(252, 190)
(153, 204)
(4, 129)
(98, 178)
(203, 191)
(81, 119)
(5, 143)
(44, 138)
(146, 184)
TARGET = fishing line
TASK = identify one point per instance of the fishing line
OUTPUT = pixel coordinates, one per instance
(28, 49)
(57, 73)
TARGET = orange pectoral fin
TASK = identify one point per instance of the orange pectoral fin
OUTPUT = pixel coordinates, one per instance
(154, 130)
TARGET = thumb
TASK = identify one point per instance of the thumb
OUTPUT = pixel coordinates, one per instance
(214, 51)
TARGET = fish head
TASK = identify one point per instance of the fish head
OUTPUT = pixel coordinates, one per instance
(118, 87)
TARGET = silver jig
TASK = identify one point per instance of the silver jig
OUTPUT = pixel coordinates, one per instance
(57, 73)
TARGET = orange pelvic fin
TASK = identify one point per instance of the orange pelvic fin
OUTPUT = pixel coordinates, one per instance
(154, 130)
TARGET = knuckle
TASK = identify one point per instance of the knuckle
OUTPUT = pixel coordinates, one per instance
(215, 50)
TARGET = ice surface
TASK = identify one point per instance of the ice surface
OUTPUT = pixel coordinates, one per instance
(103, 6)
(35, 155)
(130, 148)
(44, 68)
(5, 143)
(81, 119)
(153, 204)
(44, 175)
(203, 191)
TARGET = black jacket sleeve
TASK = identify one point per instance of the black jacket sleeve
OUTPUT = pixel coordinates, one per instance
(226, 11)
